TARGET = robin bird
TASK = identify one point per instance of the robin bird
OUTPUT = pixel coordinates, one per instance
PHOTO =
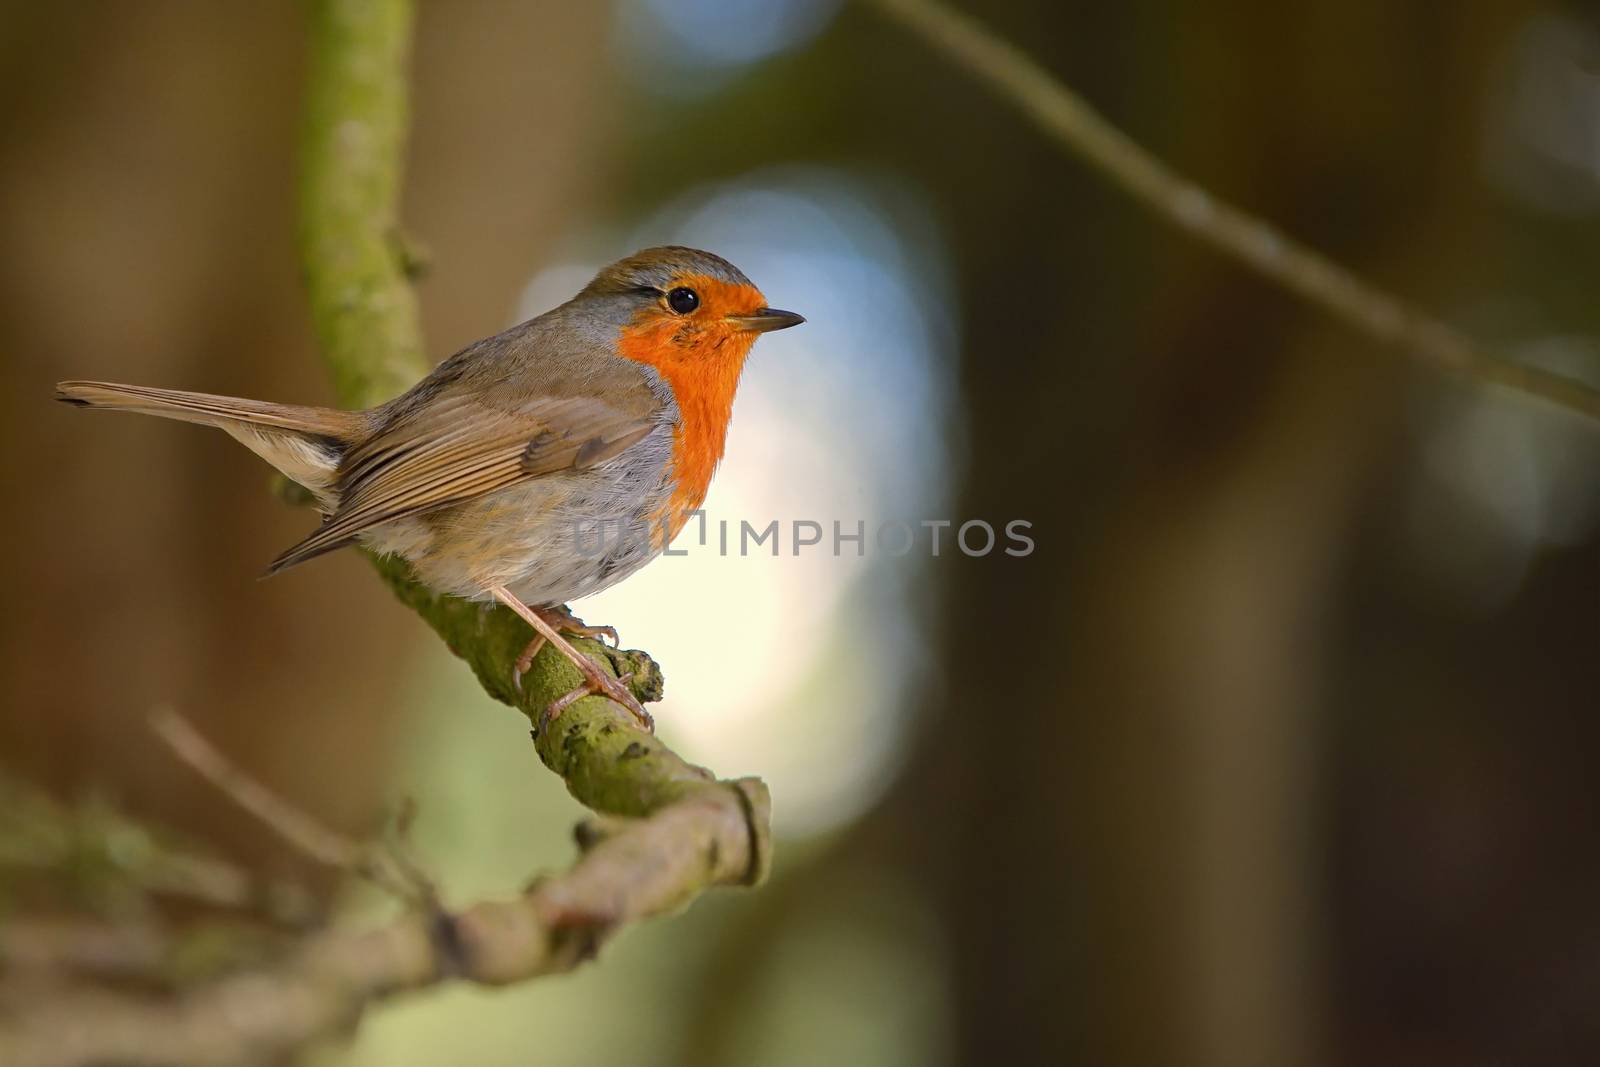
(611, 411)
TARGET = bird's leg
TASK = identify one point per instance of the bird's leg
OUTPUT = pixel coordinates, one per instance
(595, 680)
(562, 618)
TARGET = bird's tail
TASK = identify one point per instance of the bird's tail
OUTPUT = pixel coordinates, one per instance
(305, 443)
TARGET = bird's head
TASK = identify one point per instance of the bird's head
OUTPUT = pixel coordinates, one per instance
(687, 311)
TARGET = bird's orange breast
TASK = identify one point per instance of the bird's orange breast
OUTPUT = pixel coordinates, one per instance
(704, 377)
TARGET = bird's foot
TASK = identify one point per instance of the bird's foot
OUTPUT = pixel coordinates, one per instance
(597, 681)
(562, 620)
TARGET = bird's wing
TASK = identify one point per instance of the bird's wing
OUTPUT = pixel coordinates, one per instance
(457, 446)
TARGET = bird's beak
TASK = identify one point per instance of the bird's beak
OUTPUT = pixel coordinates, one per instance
(766, 320)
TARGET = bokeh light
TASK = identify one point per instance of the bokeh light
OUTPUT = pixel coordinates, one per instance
(1543, 147)
(1501, 479)
(687, 47)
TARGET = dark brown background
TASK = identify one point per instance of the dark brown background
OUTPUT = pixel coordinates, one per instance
(1242, 770)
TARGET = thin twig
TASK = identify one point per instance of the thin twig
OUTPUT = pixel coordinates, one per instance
(294, 826)
(1072, 123)
(278, 815)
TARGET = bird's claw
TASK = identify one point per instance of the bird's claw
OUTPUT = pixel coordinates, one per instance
(525, 660)
(597, 683)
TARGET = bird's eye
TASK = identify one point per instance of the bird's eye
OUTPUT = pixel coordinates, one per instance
(683, 300)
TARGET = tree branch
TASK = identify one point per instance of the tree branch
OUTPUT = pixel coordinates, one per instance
(643, 868)
(352, 150)
(366, 318)
(700, 835)
(1072, 123)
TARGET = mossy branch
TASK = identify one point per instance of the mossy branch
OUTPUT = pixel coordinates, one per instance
(608, 763)
(1069, 120)
(366, 318)
(352, 153)
(367, 322)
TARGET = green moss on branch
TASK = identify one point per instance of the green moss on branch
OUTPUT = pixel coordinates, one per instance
(352, 147)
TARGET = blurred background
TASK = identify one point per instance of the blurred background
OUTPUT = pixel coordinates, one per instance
(1280, 747)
